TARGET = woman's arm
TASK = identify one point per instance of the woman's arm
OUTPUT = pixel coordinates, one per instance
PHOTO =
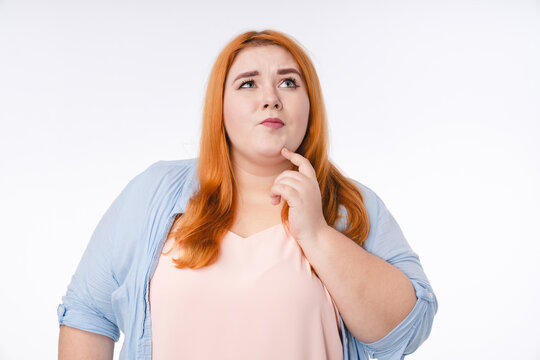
(86, 316)
(372, 296)
(381, 291)
(75, 344)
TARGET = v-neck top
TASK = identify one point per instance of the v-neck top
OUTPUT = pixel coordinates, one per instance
(260, 300)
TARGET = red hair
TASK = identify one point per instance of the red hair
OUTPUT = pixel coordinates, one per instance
(210, 211)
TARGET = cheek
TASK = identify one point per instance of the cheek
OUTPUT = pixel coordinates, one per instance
(228, 113)
(233, 107)
(233, 119)
(303, 112)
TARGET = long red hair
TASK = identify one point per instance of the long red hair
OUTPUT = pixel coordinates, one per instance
(210, 211)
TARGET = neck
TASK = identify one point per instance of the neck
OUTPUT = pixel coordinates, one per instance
(254, 180)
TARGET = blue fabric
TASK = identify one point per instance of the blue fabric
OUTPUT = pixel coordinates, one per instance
(108, 292)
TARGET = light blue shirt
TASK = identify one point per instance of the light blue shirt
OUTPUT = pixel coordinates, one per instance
(109, 291)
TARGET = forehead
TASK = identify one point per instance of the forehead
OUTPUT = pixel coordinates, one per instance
(262, 58)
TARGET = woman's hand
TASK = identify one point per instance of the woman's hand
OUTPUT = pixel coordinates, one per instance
(301, 191)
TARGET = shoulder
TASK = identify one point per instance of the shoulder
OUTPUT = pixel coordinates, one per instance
(146, 202)
(163, 183)
(164, 173)
(385, 238)
(167, 170)
(372, 202)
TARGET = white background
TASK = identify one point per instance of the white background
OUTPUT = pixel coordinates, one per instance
(435, 105)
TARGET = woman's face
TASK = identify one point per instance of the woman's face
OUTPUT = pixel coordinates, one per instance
(274, 89)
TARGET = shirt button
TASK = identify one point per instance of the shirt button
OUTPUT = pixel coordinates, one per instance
(430, 295)
(61, 311)
(346, 340)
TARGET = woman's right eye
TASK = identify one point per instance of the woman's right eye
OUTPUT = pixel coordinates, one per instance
(246, 82)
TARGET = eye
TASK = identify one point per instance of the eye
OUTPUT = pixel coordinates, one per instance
(250, 81)
(291, 80)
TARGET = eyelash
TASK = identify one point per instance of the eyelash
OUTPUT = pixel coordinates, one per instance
(287, 79)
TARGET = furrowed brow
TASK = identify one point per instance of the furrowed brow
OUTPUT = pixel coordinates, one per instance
(247, 74)
(288, 71)
(255, 73)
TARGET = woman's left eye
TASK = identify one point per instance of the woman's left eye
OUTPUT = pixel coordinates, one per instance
(291, 80)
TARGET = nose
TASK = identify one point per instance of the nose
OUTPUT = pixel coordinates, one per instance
(271, 100)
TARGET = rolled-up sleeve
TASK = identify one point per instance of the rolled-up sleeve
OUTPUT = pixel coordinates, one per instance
(87, 304)
(387, 241)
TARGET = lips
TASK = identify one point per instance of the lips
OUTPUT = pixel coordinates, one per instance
(273, 121)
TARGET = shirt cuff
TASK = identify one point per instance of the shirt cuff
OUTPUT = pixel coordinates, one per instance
(87, 321)
(407, 336)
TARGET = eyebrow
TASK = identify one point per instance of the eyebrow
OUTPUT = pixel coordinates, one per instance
(280, 72)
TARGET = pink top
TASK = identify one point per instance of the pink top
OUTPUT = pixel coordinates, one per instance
(260, 300)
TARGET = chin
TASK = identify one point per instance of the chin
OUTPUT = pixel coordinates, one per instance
(269, 153)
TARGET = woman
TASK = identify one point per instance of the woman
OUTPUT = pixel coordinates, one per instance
(257, 249)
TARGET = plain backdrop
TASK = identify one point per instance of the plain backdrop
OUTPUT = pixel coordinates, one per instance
(435, 105)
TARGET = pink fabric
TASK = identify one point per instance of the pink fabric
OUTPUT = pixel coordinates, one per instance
(260, 300)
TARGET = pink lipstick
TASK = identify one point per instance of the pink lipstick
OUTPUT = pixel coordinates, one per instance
(274, 123)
